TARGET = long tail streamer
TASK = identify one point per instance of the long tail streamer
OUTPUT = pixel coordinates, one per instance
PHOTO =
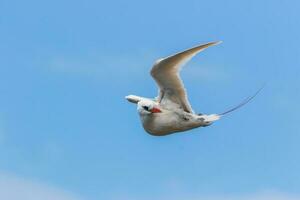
(247, 100)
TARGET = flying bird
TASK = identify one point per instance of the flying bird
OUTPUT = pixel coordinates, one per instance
(171, 111)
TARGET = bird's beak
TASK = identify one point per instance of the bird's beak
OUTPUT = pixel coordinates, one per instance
(155, 110)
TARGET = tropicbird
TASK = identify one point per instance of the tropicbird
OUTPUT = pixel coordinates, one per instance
(171, 111)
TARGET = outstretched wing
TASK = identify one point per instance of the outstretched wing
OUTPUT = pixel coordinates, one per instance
(166, 74)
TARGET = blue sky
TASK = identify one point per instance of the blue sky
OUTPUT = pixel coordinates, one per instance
(66, 131)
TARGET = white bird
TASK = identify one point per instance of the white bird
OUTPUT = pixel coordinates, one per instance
(171, 111)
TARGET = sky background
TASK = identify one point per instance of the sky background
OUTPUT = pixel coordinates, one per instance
(67, 133)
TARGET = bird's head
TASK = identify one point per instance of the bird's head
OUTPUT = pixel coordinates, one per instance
(147, 107)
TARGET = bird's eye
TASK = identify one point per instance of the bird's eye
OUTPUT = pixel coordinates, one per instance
(146, 107)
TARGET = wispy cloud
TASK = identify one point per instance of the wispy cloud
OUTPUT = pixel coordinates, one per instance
(256, 196)
(206, 72)
(269, 195)
(103, 67)
(16, 188)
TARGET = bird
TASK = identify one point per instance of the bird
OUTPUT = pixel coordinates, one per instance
(170, 112)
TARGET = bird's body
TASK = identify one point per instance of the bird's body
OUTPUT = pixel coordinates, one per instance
(171, 111)
(171, 121)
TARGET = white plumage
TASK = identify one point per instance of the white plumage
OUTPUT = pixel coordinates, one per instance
(171, 111)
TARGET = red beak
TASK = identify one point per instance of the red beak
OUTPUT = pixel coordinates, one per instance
(155, 110)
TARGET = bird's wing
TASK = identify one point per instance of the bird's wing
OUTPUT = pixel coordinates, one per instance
(166, 74)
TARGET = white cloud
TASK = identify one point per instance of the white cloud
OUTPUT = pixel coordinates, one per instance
(103, 67)
(257, 196)
(16, 188)
(206, 72)
(173, 195)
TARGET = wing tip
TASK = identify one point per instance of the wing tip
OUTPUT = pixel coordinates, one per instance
(206, 45)
(215, 42)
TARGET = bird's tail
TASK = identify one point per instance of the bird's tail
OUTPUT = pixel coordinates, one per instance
(244, 102)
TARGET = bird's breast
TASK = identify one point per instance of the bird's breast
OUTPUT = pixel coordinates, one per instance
(165, 123)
